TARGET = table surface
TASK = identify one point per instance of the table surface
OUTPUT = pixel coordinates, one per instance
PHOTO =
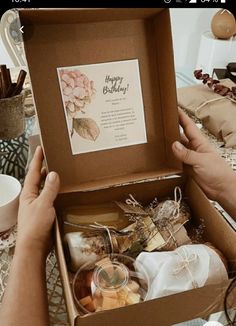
(57, 309)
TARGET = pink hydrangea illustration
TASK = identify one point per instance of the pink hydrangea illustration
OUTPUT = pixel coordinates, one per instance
(77, 90)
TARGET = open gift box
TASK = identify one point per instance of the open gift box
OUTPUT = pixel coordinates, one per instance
(56, 38)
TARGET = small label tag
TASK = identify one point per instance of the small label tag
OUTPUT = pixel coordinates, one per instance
(154, 238)
(130, 209)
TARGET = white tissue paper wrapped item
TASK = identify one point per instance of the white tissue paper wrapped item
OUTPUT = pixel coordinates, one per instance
(187, 267)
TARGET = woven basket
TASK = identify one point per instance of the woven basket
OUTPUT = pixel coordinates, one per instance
(12, 122)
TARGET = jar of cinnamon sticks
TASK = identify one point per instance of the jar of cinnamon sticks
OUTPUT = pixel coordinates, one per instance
(12, 122)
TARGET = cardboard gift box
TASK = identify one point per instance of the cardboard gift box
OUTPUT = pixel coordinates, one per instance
(55, 38)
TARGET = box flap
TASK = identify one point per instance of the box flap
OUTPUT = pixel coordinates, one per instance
(165, 311)
(57, 38)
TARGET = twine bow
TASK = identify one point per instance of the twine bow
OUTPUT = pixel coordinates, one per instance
(132, 201)
(106, 228)
(185, 260)
(171, 208)
(177, 199)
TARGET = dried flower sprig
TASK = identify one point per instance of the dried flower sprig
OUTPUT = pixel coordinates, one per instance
(215, 85)
(197, 235)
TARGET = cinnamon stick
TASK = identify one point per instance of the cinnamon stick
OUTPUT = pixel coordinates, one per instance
(8, 77)
(19, 84)
(7, 88)
(1, 93)
(11, 90)
(4, 80)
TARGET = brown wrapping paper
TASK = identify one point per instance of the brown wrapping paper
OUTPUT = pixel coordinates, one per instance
(217, 113)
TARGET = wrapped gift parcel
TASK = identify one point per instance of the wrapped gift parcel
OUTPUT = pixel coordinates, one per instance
(170, 216)
(217, 113)
(160, 224)
(187, 267)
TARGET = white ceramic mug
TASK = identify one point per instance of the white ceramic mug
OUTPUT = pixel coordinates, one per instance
(10, 189)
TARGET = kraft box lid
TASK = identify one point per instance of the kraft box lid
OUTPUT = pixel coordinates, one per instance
(59, 38)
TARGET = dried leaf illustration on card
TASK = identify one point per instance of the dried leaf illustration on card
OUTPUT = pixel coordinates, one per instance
(86, 128)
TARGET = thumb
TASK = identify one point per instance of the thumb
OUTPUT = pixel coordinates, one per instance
(50, 189)
(186, 155)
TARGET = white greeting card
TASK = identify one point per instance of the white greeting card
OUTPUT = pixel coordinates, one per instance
(103, 105)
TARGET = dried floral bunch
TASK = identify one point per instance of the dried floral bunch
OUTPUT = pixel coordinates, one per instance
(159, 226)
(215, 85)
(170, 211)
(162, 213)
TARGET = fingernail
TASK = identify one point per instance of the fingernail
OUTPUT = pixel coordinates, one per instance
(43, 171)
(52, 176)
(38, 148)
(178, 146)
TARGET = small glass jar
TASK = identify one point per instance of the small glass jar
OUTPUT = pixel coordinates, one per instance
(111, 282)
(87, 248)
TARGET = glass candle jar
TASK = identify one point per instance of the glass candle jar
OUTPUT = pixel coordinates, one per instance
(111, 282)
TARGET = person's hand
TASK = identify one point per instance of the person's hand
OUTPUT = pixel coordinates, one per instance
(209, 170)
(36, 212)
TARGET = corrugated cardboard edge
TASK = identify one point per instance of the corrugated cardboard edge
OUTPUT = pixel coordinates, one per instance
(34, 105)
(71, 310)
(91, 189)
